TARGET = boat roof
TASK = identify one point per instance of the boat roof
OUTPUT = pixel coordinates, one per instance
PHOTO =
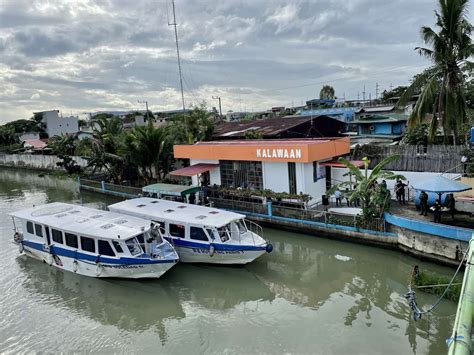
(84, 220)
(176, 211)
(170, 189)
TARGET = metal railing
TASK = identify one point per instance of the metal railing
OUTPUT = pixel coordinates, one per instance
(313, 214)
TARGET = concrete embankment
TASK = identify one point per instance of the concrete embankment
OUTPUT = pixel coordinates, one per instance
(428, 241)
(36, 162)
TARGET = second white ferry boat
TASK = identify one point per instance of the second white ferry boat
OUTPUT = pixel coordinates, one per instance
(92, 242)
(201, 234)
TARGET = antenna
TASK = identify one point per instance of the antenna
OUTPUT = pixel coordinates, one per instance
(177, 52)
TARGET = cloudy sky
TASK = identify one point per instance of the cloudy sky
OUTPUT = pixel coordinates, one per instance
(84, 55)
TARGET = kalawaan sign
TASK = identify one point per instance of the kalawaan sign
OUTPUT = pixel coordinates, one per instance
(278, 153)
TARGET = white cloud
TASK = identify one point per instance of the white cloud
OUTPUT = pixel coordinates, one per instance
(89, 55)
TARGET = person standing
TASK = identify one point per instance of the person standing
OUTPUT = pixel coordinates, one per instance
(347, 194)
(338, 196)
(437, 212)
(424, 203)
(452, 205)
(400, 186)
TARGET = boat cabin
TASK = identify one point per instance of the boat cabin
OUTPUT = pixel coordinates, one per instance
(85, 230)
(192, 222)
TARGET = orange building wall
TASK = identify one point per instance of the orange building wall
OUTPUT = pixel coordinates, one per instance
(303, 151)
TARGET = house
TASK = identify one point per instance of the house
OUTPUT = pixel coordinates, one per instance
(55, 125)
(28, 136)
(282, 127)
(282, 165)
(379, 129)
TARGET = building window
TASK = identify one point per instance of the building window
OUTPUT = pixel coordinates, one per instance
(197, 233)
(177, 230)
(105, 248)
(292, 177)
(71, 240)
(39, 230)
(57, 236)
(87, 244)
(245, 174)
(29, 228)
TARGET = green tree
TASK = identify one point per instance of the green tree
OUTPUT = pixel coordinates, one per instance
(416, 135)
(327, 93)
(149, 149)
(64, 146)
(442, 85)
(7, 136)
(252, 134)
(395, 92)
(104, 151)
(193, 127)
(374, 200)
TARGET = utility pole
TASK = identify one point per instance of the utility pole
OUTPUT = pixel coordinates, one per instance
(179, 66)
(363, 94)
(177, 52)
(391, 87)
(146, 105)
(376, 91)
(220, 106)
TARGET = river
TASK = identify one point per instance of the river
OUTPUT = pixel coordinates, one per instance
(310, 295)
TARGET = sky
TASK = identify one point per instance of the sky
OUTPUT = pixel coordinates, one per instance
(82, 56)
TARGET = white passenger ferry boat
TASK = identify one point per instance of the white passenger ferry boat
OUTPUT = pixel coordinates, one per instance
(201, 234)
(92, 242)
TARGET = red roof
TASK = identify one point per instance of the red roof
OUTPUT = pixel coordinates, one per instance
(194, 169)
(263, 142)
(35, 143)
(337, 164)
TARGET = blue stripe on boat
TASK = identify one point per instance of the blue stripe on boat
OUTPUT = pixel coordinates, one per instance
(76, 254)
(217, 246)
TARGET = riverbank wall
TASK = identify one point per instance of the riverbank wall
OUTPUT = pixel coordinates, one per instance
(36, 162)
(438, 243)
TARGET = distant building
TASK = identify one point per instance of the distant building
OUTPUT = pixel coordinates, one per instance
(132, 120)
(232, 116)
(344, 114)
(28, 136)
(282, 127)
(56, 125)
(380, 129)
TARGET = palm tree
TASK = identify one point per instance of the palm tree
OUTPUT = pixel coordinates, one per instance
(373, 199)
(150, 150)
(105, 146)
(442, 85)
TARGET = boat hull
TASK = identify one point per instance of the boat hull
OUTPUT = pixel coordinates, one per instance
(190, 252)
(102, 269)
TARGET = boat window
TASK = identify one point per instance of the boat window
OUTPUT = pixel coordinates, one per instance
(210, 232)
(177, 230)
(88, 244)
(29, 228)
(140, 238)
(71, 240)
(223, 233)
(57, 236)
(241, 226)
(197, 233)
(117, 246)
(39, 230)
(105, 248)
(133, 246)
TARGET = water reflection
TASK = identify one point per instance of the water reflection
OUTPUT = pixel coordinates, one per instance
(128, 305)
(310, 273)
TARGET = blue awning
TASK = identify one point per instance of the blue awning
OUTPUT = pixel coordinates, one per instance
(440, 184)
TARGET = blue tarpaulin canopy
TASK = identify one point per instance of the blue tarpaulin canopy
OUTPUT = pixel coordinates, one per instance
(440, 185)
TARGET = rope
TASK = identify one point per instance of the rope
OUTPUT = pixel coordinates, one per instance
(410, 295)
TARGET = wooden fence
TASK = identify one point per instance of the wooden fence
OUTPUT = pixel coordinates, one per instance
(434, 158)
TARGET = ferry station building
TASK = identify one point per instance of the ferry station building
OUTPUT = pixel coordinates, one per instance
(293, 166)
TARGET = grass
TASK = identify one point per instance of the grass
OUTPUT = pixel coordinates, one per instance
(427, 279)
